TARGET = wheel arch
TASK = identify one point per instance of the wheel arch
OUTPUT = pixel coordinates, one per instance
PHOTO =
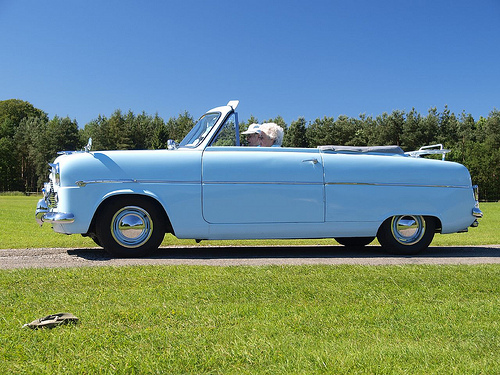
(435, 217)
(112, 197)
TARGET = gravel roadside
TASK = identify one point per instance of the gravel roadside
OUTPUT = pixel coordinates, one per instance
(248, 256)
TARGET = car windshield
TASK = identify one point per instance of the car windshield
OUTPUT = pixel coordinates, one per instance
(200, 130)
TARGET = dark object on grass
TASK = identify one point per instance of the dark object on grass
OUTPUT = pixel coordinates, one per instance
(52, 321)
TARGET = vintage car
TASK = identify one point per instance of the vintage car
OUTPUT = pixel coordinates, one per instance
(209, 187)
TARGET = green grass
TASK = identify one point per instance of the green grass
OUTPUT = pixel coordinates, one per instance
(254, 320)
(21, 231)
(248, 320)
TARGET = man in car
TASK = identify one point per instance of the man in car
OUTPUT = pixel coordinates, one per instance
(252, 134)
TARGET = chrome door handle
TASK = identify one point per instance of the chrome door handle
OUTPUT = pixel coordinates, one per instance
(314, 161)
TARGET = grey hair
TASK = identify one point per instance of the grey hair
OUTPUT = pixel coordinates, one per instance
(274, 131)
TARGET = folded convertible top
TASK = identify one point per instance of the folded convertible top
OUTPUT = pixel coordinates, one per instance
(364, 149)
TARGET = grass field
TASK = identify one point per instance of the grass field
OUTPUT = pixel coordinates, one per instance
(249, 320)
(254, 320)
(21, 231)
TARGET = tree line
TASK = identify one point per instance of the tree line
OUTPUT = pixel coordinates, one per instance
(29, 139)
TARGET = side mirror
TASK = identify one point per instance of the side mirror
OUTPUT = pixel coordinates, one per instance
(172, 145)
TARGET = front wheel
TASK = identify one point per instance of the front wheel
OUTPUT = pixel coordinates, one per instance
(406, 234)
(130, 227)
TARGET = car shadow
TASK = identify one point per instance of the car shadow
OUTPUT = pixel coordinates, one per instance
(291, 252)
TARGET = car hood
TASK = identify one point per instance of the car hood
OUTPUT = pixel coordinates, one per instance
(146, 165)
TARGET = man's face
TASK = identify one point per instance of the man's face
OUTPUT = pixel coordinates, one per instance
(253, 139)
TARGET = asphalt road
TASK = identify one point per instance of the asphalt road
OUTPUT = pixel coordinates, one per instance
(249, 256)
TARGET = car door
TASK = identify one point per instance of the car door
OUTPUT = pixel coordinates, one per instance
(245, 185)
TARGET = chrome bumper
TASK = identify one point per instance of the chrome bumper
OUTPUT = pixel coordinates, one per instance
(476, 211)
(43, 214)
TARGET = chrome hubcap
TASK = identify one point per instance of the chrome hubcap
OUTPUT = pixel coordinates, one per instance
(408, 229)
(131, 226)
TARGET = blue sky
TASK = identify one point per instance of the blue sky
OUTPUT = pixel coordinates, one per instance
(291, 58)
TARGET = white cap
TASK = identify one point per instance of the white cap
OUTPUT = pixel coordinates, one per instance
(252, 129)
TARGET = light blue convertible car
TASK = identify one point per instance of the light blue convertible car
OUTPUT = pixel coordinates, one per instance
(209, 187)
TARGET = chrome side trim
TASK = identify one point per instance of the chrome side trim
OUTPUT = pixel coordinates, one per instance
(260, 183)
(83, 183)
(125, 181)
(398, 185)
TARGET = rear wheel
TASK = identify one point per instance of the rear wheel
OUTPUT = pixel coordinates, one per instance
(130, 227)
(406, 234)
(354, 241)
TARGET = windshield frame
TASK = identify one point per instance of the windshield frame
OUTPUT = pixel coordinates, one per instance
(222, 127)
(201, 130)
